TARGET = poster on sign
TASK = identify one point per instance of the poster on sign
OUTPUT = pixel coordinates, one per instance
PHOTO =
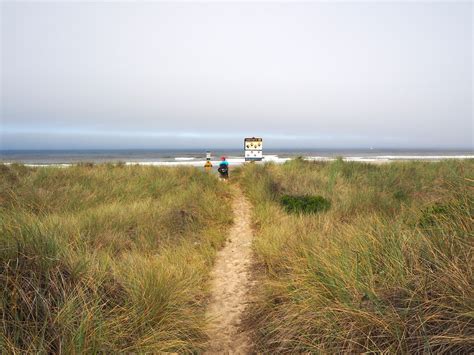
(253, 148)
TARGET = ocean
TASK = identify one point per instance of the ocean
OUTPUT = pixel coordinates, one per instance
(197, 157)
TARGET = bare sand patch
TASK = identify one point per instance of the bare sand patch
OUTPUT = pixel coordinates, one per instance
(230, 285)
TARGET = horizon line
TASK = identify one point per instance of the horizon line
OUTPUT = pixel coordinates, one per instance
(241, 148)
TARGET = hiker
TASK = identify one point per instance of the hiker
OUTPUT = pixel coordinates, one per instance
(208, 166)
(223, 169)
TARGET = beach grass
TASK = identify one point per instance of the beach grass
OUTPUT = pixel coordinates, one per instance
(350, 257)
(385, 267)
(107, 258)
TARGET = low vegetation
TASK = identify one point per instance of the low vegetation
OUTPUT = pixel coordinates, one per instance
(305, 204)
(351, 257)
(388, 268)
(107, 258)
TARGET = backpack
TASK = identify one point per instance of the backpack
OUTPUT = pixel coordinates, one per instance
(223, 169)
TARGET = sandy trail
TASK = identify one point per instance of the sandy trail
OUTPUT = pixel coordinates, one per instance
(230, 285)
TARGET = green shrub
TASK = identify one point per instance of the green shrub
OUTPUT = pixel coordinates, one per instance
(305, 204)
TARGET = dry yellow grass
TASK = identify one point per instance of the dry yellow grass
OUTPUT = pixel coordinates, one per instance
(113, 258)
(107, 258)
(387, 269)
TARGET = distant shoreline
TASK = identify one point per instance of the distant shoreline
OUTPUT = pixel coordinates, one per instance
(189, 161)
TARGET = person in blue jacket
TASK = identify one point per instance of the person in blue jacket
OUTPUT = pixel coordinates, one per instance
(223, 168)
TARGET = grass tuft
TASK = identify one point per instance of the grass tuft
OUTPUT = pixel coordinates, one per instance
(105, 258)
(387, 269)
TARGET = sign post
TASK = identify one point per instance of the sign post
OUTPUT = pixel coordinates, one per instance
(253, 148)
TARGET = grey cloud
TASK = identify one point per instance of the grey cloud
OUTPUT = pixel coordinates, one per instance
(327, 74)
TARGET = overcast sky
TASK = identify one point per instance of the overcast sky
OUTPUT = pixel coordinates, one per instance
(196, 74)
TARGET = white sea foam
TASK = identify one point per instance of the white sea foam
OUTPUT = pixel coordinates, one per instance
(57, 165)
(167, 163)
(236, 160)
(387, 158)
(275, 159)
(425, 157)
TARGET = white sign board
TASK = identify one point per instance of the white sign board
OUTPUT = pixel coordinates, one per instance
(254, 154)
(253, 148)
